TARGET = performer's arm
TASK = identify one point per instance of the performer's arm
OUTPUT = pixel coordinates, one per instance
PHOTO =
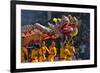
(47, 49)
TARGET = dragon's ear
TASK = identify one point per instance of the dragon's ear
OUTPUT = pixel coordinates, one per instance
(68, 21)
(76, 21)
(70, 18)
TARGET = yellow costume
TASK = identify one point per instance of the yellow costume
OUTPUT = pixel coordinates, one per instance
(34, 55)
(52, 53)
(24, 54)
(68, 55)
(42, 52)
(62, 55)
(69, 51)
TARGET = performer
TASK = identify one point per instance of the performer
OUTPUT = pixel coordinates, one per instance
(42, 52)
(34, 55)
(69, 51)
(24, 54)
(62, 55)
(52, 52)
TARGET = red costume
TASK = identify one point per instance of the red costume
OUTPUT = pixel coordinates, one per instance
(66, 29)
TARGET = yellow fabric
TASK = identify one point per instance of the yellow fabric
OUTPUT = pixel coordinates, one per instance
(24, 54)
(62, 55)
(42, 52)
(74, 33)
(71, 48)
(34, 55)
(69, 52)
(52, 53)
(42, 58)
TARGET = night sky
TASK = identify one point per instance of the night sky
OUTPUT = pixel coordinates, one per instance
(81, 41)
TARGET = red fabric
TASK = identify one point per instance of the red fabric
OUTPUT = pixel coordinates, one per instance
(36, 40)
(67, 29)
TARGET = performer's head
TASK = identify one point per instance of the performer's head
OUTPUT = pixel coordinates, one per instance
(53, 43)
(43, 43)
(65, 45)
